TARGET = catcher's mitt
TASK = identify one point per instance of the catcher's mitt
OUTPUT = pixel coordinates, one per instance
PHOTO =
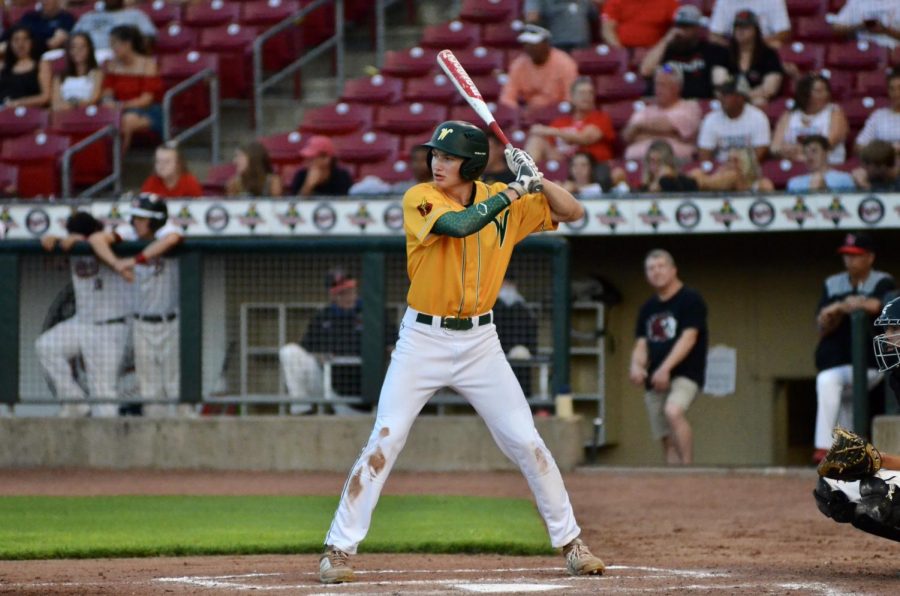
(850, 457)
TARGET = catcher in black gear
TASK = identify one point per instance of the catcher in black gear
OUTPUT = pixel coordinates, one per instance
(857, 483)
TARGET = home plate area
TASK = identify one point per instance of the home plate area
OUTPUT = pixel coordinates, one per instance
(525, 580)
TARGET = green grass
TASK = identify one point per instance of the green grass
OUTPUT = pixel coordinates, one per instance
(143, 526)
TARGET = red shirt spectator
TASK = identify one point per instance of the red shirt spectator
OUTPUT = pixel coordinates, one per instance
(185, 186)
(170, 177)
(631, 24)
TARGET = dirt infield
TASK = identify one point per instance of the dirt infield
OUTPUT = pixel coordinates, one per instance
(740, 532)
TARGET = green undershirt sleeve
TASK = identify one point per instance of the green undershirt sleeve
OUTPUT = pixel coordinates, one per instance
(459, 224)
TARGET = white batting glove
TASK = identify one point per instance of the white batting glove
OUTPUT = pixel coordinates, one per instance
(516, 158)
(527, 180)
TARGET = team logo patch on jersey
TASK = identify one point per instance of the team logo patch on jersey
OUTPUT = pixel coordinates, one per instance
(424, 208)
(500, 222)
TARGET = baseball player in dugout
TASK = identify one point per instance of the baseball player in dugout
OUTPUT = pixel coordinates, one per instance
(98, 332)
(857, 483)
(460, 234)
(156, 326)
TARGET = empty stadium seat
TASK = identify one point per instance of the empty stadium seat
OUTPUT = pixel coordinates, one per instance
(489, 11)
(216, 179)
(807, 56)
(192, 105)
(414, 62)
(175, 38)
(285, 47)
(94, 162)
(20, 120)
(842, 82)
(407, 142)
(161, 12)
(337, 119)
(857, 109)
(507, 118)
(367, 147)
(778, 106)
(211, 13)
(389, 171)
(233, 44)
(600, 59)
(797, 8)
(405, 119)
(856, 56)
(616, 87)
(37, 158)
(815, 29)
(481, 60)
(284, 148)
(554, 170)
(432, 88)
(545, 115)
(502, 35)
(620, 111)
(779, 171)
(490, 85)
(871, 84)
(454, 35)
(377, 89)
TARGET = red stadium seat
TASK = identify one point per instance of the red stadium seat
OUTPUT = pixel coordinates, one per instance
(780, 171)
(285, 47)
(192, 105)
(502, 35)
(545, 115)
(481, 60)
(620, 111)
(489, 11)
(175, 38)
(233, 45)
(842, 82)
(490, 86)
(601, 59)
(367, 147)
(432, 88)
(778, 106)
(407, 142)
(405, 64)
(807, 56)
(284, 149)
(9, 177)
(388, 171)
(18, 121)
(616, 87)
(406, 119)
(815, 29)
(377, 90)
(161, 12)
(857, 109)
(454, 35)
(506, 117)
(871, 84)
(37, 158)
(337, 119)
(797, 8)
(554, 170)
(211, 13)
(856, 56)
(216, 179)
(95, 162)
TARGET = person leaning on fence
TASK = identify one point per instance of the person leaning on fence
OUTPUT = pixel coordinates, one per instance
(859, 288)
(156, 325)
(669, 355)
(99, 330)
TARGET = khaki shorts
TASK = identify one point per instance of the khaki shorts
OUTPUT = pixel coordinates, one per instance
(681, 393)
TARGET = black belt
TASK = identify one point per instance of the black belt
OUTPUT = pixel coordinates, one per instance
(455, 323)
(111, 321)
(156, 318)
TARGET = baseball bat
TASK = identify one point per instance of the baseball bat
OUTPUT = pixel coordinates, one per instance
(466, 87)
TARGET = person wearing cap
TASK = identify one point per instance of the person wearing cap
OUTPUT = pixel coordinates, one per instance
(876, 21)
(884, 123)
(753, 60)
(821, 176)
(736, 125)
(322, 175)
(630, 24)
(772, 16)
(859, 288)
(254, 175)
(542, 75)
(569, 21)
(703, 64)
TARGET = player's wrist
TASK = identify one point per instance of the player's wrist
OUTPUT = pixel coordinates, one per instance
(515, 190)
(140, 259)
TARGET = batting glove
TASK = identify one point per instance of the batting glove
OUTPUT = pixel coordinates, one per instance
(528, 180)
(516, 158)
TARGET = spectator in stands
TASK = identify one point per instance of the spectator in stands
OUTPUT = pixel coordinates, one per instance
(49, 23)
(629, 24)
(516, 329)
(736, 124)
(703, 64)
(171, 177)
(877, 21)
(585, 128)
(81, 83)
(670, 118)
(661, 173)
(739, 173)
(569, 21)
(583, 180)
(773, 19)
(496, 169)
(821, 177)
(132, 83)
(254, 175)
(884, 123)
(879, 172)
(99, 24)
(753, 60)
(542, 75)
(322, 174)
(813, 114)
(25, 80)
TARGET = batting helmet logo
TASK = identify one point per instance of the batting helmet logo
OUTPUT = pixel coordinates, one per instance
(444, 132)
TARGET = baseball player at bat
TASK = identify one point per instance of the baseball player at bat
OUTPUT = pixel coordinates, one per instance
(460, 235)
(857, 483)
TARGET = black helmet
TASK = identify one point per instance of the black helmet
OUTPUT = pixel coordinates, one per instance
(152, 207)
(462, 140)
(82, 222)
(887, 346)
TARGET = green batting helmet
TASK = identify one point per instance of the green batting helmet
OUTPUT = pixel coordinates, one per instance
(462, 140)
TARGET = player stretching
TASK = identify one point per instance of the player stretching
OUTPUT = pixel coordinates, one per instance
(460, 235)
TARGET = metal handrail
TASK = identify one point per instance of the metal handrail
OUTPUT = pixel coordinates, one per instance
(260, 84)
(115, 178)
(211, 121)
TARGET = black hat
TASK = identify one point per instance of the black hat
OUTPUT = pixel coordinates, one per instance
(746, 17)
(857, 243)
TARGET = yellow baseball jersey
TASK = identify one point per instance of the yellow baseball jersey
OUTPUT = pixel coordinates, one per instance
(461, 277)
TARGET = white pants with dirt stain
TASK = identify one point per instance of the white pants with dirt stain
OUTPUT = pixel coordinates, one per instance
(428, 358)
(834, 391)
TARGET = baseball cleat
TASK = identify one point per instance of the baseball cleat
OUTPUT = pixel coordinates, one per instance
(580, 560)
(334, 566)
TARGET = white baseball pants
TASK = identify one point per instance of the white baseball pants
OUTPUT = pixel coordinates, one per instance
(834, 391)
(428, 358)
(101, 347)
(156, 363)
